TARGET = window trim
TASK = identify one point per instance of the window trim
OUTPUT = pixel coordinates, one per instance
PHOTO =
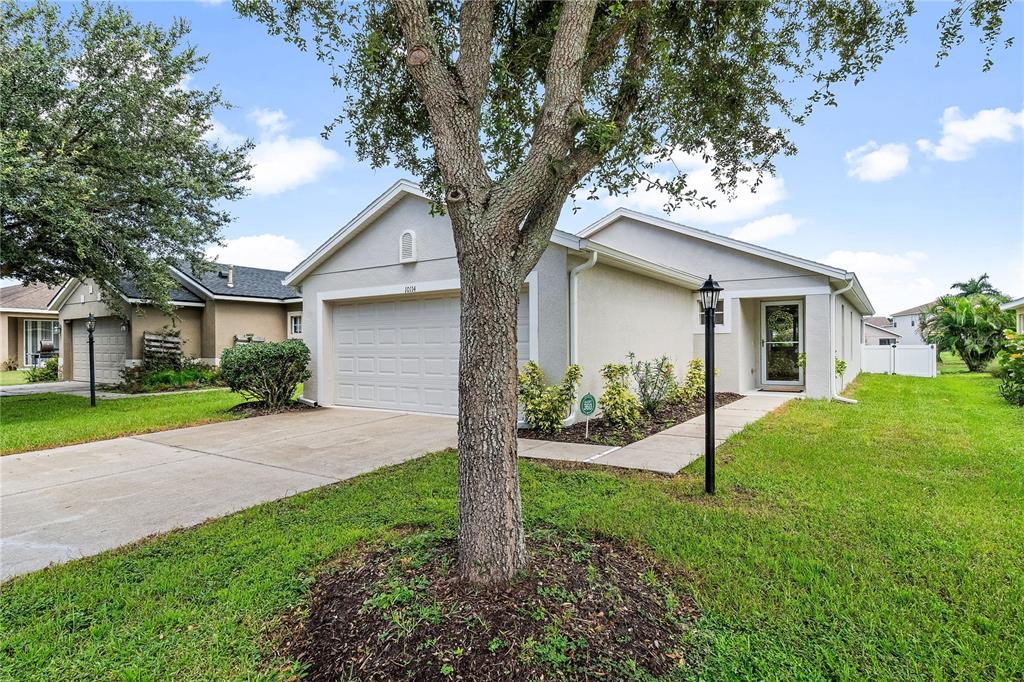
(726, 326)
(24, 337)
(291, 316)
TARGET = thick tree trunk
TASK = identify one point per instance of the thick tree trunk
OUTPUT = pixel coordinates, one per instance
(491, 537)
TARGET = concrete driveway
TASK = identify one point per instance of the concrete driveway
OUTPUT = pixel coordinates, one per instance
(61, 504)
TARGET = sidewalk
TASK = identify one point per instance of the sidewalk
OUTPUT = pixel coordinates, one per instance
(666, 452)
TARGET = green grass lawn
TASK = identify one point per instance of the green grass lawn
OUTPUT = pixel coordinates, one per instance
(882, 540)
(14, 377)
(42, 420)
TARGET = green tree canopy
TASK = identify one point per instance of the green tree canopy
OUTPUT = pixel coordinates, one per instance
(106, 171)
(979, 285)
(971, 326)
(507, 109)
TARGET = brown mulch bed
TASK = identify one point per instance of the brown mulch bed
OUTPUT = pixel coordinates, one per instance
(260, 409)
(602, 433)
(583, 609)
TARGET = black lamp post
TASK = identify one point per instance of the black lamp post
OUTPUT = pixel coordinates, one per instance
(90, 326)
(709, 292)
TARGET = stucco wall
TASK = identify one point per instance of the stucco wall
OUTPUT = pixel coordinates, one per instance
(907, 327)
(149, 319)
(734, 270)
(872, 336)
(367, 266)
(622, 311)
(239, 318)
(849, 327)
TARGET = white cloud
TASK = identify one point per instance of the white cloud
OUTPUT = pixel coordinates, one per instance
(961, 136)
(765, 229)
(272, 251)
(269, 121)
(893, 281)
(222, 135)
(875, 163)
(279, 162)
(284, 163)
(745, 205)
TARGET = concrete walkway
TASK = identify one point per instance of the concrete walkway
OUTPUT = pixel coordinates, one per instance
(673, 449)
(79, 388)
(75, 501)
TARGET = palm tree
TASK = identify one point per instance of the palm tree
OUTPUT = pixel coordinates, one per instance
(977, 285)
(970, 326)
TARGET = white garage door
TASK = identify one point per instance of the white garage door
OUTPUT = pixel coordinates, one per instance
(404, 354)
(109, 347)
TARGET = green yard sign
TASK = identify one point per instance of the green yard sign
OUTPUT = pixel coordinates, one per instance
(588, 404)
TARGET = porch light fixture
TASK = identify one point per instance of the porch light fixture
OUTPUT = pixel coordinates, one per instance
(90, 326)
(709, 292)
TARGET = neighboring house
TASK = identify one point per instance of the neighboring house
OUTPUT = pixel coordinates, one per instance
(381, 305)
(878, 331)
(27, 327)
(907, 324)
(211, 310)
(1017, 306)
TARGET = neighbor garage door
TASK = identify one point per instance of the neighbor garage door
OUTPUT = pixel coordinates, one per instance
(404, 354)
(109, 347)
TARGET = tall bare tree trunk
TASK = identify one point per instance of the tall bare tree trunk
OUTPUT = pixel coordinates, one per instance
(491, 536)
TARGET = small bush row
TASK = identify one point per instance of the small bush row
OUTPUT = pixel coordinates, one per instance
(1011, 368)
(190, 374)
(48, 371)
(633, 392)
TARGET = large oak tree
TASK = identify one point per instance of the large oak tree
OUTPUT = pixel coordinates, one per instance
(506, 110)
(106, 167)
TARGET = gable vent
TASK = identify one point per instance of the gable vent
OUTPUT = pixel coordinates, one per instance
(407, 247)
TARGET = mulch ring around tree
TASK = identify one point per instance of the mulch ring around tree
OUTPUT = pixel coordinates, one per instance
(261, 409)
(583, 609)
(603, 433)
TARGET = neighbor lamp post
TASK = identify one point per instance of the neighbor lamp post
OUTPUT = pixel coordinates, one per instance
(709, 292)
(90, 326)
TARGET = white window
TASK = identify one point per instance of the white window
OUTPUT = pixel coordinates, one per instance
(294, 325)
(42, 341)
(719, 313)
(407, 247)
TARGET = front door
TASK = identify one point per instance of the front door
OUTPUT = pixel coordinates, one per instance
(782, 343)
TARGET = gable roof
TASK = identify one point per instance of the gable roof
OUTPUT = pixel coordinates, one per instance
(878, 321)
(1013, 305)
(364, 218)
(885, 330)
(728, 242)
(27, 297)
(178, 294)
(916, 310)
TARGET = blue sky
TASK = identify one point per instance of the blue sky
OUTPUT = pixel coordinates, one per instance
(914, 181)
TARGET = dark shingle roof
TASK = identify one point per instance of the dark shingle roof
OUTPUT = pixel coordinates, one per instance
(178, 295)
(255, 282)
(32, 296)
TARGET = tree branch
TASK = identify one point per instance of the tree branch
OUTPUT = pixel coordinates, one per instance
(563, 102)
(476, 31)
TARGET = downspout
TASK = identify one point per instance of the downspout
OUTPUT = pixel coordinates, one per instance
(833, 395)
(574, 320)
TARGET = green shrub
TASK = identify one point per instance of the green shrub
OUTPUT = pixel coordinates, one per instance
(546, 407)
(618, 404)
(267, 372)
(1011, 360)
(47, 372)
(692, 387)
(191, 375)
(654, 379)
(840, 368)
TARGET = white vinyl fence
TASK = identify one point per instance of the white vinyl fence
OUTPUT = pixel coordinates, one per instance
(913, 361)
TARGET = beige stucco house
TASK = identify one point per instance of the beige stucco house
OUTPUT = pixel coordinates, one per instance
(381, 305)
(211, 311)
(28, 328)
(1017, 306)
